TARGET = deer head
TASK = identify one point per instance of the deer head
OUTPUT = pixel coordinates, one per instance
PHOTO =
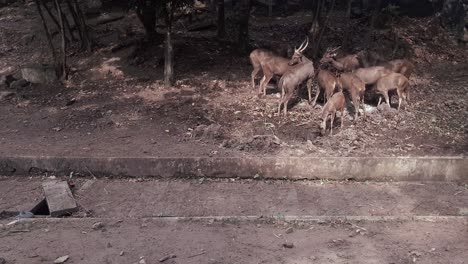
(329, 54)
(297, 56)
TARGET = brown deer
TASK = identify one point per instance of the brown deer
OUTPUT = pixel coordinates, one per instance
(355, 88)
(347, 63)
(402, 66)
(302, 69)
(327, 82)
(393, 81)
(271, 65)
(370, 75)
(336, 103)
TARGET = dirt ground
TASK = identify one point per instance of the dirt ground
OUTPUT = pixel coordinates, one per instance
(131, 241)
(136, 223)
(115, 105)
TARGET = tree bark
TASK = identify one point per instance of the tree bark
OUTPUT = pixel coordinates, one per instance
(345, 43)
(64, 75)
(46, 29)
(221, 22)
(87, 42)
(147, 15)
(243, 41)
(168, 48)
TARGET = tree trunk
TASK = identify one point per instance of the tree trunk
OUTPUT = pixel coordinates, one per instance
(146, 12)
(322, 28)
(168, 49)
(221, 25)
(64, 75)
(168, 60)
(244, 15)
(86, 42)
(345, 43)
(46, 29)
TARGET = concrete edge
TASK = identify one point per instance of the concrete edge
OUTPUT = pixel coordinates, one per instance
(448, 169)
(270, 219)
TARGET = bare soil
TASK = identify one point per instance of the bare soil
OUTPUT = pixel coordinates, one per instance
(115, 104)
(131, 241)
(139, 198)
(131, 229)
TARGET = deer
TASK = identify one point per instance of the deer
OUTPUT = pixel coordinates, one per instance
(327, 82)
(355, 88)
(301, 69)
(371, 75)
(393, 81)
(347, 63)
(336, 103)
(402, 66)
(271, 65)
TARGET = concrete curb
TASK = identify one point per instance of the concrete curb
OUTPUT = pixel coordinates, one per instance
(449, 169)
(270, 219)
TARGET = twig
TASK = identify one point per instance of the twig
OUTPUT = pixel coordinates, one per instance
(198, 254)
(92, 174)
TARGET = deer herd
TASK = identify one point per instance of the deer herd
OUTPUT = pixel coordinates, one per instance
(355, 73)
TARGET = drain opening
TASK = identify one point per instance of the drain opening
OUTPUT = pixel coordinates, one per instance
(42, 208)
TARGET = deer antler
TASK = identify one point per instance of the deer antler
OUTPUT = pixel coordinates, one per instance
(306, 44)
(303, 45)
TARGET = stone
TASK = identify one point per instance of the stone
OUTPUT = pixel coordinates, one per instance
(7, 79)
(288, 245)
(98, 225)
(18, 84)
(39, 73)
(6, 95)
(59, 198)
(61, 259)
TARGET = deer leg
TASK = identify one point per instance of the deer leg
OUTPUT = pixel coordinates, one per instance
(363, 106)
(316, 95)
(399, 99)
(287, 98)
(254, 74)
(309, 89)
(332, 117)
(380, 100)
(342, 117)
(387, 99)
(267, 79)
(260, 85)
(356, 107)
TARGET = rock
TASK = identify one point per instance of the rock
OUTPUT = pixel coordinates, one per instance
(2, 261)
(288, 245)
(7, 79)
(98, 225)
(121, 253)
(208, 132)
(18, 84)
(289, 230)
(27, 39)
(62, 259)
(6, 95)
(39, 73)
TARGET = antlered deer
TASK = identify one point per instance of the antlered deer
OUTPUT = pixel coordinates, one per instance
(347, 63)
(393, 81)
(271, 65)
(327, 83)
(336, 103)
(302, 69)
